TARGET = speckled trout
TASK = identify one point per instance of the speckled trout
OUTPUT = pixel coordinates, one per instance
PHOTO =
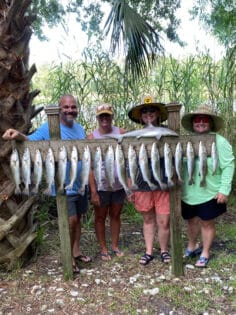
(50, 172)
(144, 167)
(62, 166)
(73, 167)
(38, 171)
(168, 164)
(133, 167)
(121, 168)
(26, 171)
(15, 169)
(86, 164)
(214, 158)
(155, 164)
(110, 166)
(179, 161)
(97, 168)
(202, 154)
(190, 162)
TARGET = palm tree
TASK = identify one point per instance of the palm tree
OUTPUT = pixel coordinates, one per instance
(140, 42)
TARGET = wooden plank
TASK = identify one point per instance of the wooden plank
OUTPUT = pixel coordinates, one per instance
(61, 200)
(104, 143)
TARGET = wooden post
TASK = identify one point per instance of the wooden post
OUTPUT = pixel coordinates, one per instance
(175, 202)
(61, 200)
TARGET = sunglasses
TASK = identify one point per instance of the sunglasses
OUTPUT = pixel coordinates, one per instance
(146, 110)
(201, 119)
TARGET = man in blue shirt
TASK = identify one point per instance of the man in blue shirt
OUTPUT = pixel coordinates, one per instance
(77, 204)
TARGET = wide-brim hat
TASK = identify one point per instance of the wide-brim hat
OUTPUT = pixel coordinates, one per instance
(146, 101)
(104, 109)
(187, 120)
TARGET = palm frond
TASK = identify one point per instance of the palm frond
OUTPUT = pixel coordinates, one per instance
(139, 39)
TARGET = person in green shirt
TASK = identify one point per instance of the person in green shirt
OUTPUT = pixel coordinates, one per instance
(202, 203)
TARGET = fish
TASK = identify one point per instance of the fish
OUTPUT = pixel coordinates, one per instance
(155, 164)
(97, 168)
(190, 162)
(168, 164)
(147, 132)
(144, 167)
(73, 168)
(86, 164)
(179, 161)
(214, 157)
(121, 168)
(110, 166)
(50, 172)
(62, 167)
(15, 169)
(133, 167)
(26, 171)
(202, 154)
(38, 171)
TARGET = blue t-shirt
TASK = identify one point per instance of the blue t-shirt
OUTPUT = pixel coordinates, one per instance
(76, 132)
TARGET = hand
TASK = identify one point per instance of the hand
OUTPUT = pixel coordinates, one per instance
(221, 198)
(12, 134)
(131, 198)
(95, 199)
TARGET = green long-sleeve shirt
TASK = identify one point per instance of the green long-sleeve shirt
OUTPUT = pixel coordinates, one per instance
(220, 182)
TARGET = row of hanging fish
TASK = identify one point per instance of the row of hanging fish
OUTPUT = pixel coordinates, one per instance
(21, 170)
(114, 163)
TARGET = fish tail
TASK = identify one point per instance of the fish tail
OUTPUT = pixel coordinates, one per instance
(170, 183)
(134, 187)
(81, 191)
(61, 190)
(69, 187)
(26, 191)
(203, 183)
(17, 191)
(35, 190)
(163, 186)
(48, 191)
(153, 187)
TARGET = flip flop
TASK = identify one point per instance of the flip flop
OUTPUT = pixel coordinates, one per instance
(105, 256)
(202, 262)
(83, 258)
(192, 253)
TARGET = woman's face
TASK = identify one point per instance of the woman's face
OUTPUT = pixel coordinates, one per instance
(202, 124)
(104, 120)
(150, 115)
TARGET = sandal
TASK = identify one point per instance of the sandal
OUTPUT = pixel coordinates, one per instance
(83, 258)
(118, 253)
(105, 256)
(145, 259)
(192, 253)
(75, 269)
(165, 257)
(202, 262)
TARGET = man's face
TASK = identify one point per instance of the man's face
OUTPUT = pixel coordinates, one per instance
(68, 109)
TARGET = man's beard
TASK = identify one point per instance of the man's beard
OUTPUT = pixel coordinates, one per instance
(64, 116)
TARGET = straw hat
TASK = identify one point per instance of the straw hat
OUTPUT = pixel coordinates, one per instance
(187, 120)
(146, 101)
(104, 109)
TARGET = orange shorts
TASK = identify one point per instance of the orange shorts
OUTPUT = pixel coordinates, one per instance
(147, 200)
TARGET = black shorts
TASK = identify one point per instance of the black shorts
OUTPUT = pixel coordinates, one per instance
(205, 211)
(111, 197)
(77, 204)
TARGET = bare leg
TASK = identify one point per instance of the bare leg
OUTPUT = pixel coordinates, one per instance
(75, 231)
(100, 218)
(149, 225)
(208, 234)
(193, 229)
(163, 224)
(115, 223)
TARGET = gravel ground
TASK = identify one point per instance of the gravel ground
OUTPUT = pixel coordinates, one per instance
(122, 285)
